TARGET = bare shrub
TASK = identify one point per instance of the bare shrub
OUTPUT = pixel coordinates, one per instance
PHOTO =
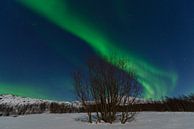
(107, 87)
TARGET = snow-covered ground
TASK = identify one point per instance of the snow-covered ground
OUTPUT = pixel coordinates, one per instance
(144, 120)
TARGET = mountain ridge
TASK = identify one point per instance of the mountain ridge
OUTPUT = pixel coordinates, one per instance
(12, 105)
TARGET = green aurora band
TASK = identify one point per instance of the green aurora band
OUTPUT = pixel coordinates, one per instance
(23, 90)
(156, 82)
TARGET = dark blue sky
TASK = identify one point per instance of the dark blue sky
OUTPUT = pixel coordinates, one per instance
(36, 53)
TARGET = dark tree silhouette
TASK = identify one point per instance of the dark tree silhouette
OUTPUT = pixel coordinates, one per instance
(107, 87)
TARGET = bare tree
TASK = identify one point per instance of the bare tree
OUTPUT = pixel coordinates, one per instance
(83, 93)
(109, 88)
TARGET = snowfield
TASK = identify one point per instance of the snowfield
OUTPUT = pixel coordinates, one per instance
(144, 120)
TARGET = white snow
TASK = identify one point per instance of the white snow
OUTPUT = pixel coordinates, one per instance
(16, 100)
(16, 105)
(144, 120)
(13, 100)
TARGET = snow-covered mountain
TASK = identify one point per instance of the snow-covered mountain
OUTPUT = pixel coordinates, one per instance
(12, 100)
(15, 105)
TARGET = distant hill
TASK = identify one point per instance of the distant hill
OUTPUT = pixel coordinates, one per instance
(11, 105)
(15, 105)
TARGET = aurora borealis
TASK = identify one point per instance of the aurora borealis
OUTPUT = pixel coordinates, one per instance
(99, 28)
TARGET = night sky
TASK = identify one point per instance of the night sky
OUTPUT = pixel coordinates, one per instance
(43, 41)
